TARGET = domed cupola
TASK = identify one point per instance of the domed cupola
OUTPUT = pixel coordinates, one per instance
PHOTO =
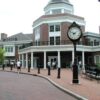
(56, 1)
(58, 7)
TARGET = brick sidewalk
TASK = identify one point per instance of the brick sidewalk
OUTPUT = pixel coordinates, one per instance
(87, 88)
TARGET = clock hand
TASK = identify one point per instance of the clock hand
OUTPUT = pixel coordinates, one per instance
(74, 33)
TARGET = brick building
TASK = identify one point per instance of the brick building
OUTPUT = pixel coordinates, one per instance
(50, 41)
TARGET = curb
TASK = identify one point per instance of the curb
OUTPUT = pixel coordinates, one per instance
(63, 89)
(55, 84)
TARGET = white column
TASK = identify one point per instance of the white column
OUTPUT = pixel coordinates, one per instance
(83, 61)
(22, 60)
(59, 62)
(19, 57)
(95, 59)
(45, 60)
(26, 60)
(31, 60)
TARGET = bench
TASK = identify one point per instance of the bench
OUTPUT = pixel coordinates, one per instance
(92, 72)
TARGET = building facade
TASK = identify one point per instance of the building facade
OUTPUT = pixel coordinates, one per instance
(11, 45)
(50, 41)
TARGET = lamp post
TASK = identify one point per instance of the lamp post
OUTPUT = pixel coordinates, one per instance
(74, 34)
(75, 67)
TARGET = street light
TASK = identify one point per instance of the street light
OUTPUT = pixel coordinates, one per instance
(74, 33)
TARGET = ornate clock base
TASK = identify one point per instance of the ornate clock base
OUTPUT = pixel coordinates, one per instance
(75, 81)
(75, 74)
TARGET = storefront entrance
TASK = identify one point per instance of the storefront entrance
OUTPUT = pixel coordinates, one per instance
(53, 59)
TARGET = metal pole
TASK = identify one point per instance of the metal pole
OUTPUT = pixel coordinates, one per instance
(28, 68)
(58, 73)
(38, 69)
(75, 67)
(49, 70)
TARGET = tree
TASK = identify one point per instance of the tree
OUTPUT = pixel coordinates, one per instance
(1, 56)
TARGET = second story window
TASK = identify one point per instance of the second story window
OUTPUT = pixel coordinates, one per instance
(51, 28)
(58, 40)
(54, 28)
(37, 33)
(51, 40)
(9, 49)
(55, 40)
(57, 27)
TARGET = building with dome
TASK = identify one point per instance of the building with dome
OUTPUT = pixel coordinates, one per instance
(58, 7)
(50, 41)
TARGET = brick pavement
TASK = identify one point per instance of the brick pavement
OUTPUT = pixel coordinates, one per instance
(87, 88)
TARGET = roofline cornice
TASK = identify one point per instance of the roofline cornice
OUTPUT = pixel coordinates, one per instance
(92, 34)
(15, 42)
(58, 18)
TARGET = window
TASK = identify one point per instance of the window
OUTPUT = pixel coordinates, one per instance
(47, 13)
(37, 42)
(37, 33)
(57, 40)
(91, 43)
(5, 49)
(9, 49)
(96, 42)
(54, 28)
(51, 40)
(97, 59)
(54, 40)
(57, 27)
(56, 11)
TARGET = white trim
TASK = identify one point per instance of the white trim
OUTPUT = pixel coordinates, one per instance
(32, 60)
(60, 48)
(26, 60)
(59, 62)
(15, 42)
(44, 59)
(58, 19)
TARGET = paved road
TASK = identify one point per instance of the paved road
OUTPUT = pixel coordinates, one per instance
(27, 87)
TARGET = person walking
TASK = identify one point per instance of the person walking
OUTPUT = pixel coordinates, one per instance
(18, 66)
(79, 67)
(11, 65)
(3, 66)
(49, 67)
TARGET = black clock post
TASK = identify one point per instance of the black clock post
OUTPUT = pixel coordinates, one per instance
(74, 34)
(75, 66)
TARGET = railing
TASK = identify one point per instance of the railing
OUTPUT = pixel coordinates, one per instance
(93, 43)
(48, 43)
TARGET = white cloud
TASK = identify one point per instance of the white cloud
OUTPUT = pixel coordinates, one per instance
(89, 9)
(18, 15)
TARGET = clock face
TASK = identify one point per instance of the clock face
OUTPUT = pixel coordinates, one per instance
(74, 33)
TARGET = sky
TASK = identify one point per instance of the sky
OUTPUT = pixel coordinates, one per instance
(18, 15)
